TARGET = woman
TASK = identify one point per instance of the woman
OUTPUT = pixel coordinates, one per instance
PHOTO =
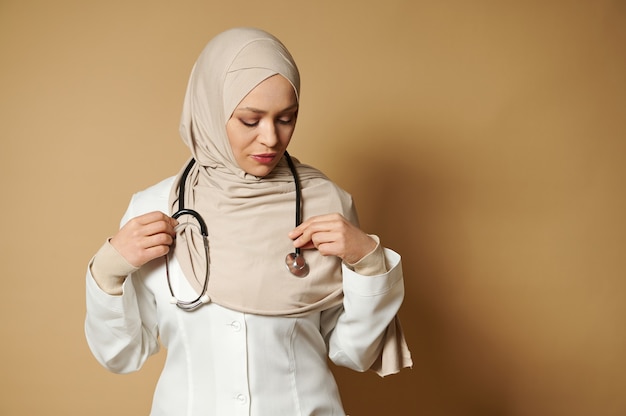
(256, 339)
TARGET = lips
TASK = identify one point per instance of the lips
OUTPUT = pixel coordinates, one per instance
(264, 158)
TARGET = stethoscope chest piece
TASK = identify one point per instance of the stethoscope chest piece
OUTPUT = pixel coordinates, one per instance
(296, 264)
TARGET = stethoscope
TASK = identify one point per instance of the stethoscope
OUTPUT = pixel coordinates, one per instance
(294, 262)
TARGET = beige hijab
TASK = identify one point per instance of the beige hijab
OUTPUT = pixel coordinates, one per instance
(248, 217)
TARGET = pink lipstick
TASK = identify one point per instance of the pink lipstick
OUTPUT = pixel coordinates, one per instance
(264, 158)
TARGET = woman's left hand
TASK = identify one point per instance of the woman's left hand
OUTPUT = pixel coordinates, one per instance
(333, 235)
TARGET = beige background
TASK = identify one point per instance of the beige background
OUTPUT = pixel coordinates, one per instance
(484, 141)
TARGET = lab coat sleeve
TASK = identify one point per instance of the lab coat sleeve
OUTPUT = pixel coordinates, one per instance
(121, 330)
(354, 331)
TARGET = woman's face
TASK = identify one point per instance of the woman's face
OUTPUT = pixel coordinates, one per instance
(261, 126)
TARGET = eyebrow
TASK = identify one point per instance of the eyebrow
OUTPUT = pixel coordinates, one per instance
(259, 111)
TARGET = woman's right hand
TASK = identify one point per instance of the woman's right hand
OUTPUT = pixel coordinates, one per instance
(145, 238)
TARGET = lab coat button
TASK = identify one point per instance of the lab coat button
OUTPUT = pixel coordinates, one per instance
(242, 398)
(236, 325)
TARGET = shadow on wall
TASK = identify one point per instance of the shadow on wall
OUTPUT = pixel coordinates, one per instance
(408, 192)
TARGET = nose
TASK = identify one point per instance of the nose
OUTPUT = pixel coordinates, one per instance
(268, 135)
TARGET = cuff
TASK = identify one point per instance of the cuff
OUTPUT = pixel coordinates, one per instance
(373, 263)
(109, 269)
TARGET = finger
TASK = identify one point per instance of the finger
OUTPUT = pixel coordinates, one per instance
(312, 224)
(317, 238)
(150, 248)
(155, 217)
(297, 231)
(160, 226)
(155, 252)
(329, 249)
(155, 240)
(173, 222)
(308, 246)
(316, 229)
(149, 217)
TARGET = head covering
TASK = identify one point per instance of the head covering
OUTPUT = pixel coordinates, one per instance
(228, 68)
(248, 217)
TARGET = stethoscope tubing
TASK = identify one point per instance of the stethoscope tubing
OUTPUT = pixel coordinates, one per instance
(296, 180)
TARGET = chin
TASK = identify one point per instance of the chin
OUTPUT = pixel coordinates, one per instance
(260, 171)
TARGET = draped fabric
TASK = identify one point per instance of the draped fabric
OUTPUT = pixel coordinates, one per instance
(248, 217)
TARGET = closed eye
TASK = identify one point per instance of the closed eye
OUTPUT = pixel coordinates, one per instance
(249, 123)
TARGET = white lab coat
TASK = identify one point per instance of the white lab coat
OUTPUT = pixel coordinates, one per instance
(221, 362)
